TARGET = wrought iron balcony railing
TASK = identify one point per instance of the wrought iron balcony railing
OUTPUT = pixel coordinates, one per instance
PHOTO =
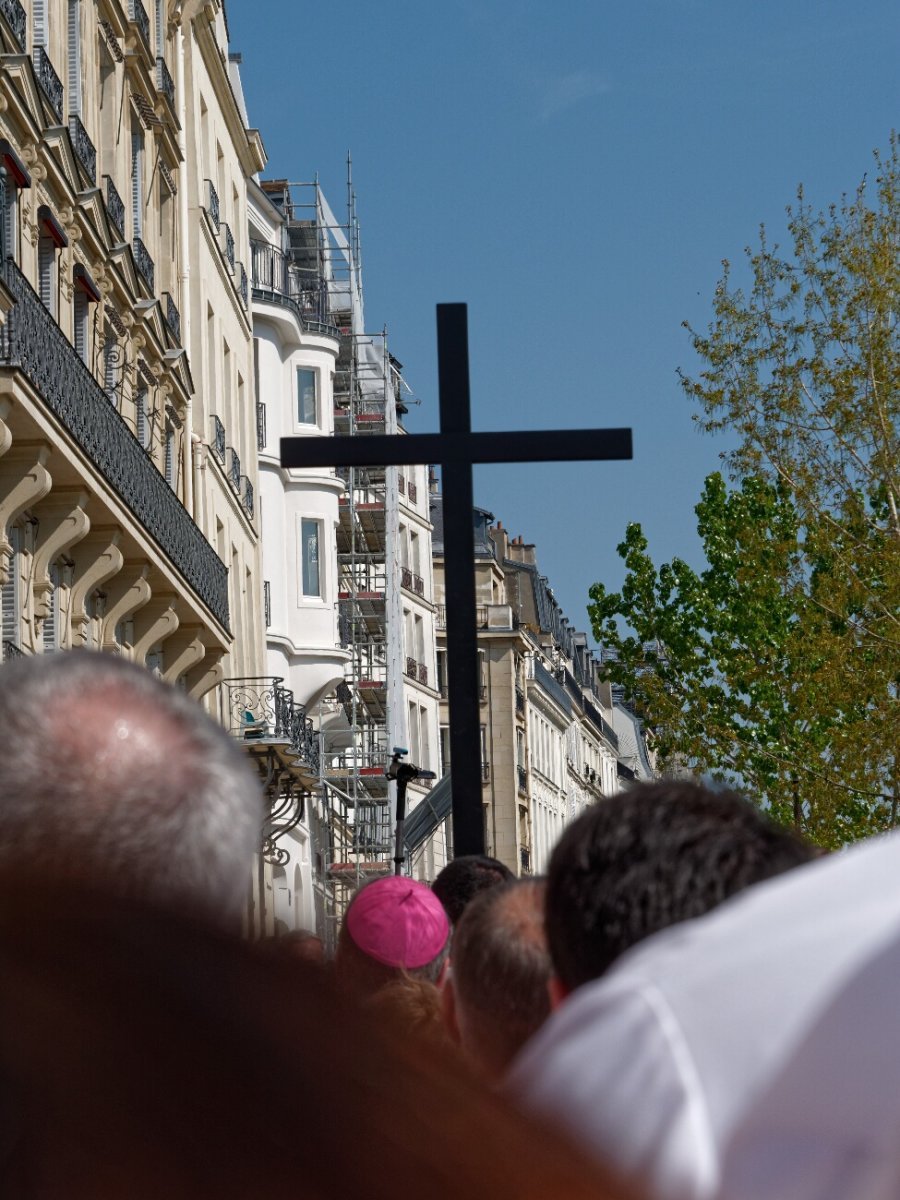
(115, 209)
(247, 496)
(260, 425)
(525, 860)
(32, 342)
(401, 485)
(218, 439)
(11, 650)
(165, 84)
(228, 244)
(522, 775)
(261, 708)
(84, 148)
(212, 204)
(234, 469)
(14, 15)
(276, 278)
(412, 492)
(412, 582)
(242, 285)
(520, 701)
(423, 674)
(143, 262)
(267, 602)
(485, 772)
(50, 82)
(138, 15)
(172, 317)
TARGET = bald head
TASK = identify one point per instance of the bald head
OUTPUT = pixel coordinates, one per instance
(501, 973)
(111, 775)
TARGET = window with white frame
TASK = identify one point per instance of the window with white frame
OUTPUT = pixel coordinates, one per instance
(307, 396)
(170, 466)
(310, 557)
(50, 631)
(141, 422)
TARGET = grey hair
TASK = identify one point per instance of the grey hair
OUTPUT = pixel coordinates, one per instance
(501, 966)
(110, 774)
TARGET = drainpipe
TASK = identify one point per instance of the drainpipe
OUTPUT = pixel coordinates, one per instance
(184, 271)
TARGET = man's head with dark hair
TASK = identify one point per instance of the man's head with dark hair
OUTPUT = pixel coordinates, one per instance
(497, 995)
(643, 860)
(464, 877)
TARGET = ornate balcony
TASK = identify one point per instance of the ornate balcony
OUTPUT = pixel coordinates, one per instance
(16, 19)
(172, 317)
(84, 148)
(234, 470)
(412, 492)
(9, 650)
(412, 668)
(522, 777)
(247, 496)
(212, 204)
(50, 83)
(218, 440)
(423, 674)
(32, 342)
(267, 602)
(115, 209)
(138, 16)
(485, 772)
(276, 279)
(228, 245)
(143, 262)
(242, 285)
(165, 84)
(261, 710)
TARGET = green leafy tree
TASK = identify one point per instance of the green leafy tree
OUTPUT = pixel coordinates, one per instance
(779, 665)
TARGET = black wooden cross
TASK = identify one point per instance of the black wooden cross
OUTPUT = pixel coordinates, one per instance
(457, 448)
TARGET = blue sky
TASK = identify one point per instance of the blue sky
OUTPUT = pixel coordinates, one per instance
(576, 173)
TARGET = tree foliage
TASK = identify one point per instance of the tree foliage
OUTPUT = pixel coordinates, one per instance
(779, 664)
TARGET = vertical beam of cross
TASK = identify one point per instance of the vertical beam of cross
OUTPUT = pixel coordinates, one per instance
(459, 585)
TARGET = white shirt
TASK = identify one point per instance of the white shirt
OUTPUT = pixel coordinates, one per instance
(654, 1066)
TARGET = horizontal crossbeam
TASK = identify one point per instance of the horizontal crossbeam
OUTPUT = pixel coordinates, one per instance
(547, 445)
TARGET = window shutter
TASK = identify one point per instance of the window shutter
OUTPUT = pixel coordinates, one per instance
(9, 594)
(80, 313)
(136, 182)
(46, 262)
(39, 15)
(74, 63)
(170, 456)
(141, 417)
(50, 632)
(110, 354)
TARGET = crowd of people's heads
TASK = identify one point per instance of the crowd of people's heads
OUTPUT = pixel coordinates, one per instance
(146, 1050)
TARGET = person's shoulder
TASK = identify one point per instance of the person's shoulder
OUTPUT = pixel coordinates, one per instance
(612, 1067)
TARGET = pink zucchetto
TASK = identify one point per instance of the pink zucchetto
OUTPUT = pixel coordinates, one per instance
(398, 922)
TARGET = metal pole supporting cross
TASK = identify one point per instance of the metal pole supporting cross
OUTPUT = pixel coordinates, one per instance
(456, 448)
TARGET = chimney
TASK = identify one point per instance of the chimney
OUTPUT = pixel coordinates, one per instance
(500, 538)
